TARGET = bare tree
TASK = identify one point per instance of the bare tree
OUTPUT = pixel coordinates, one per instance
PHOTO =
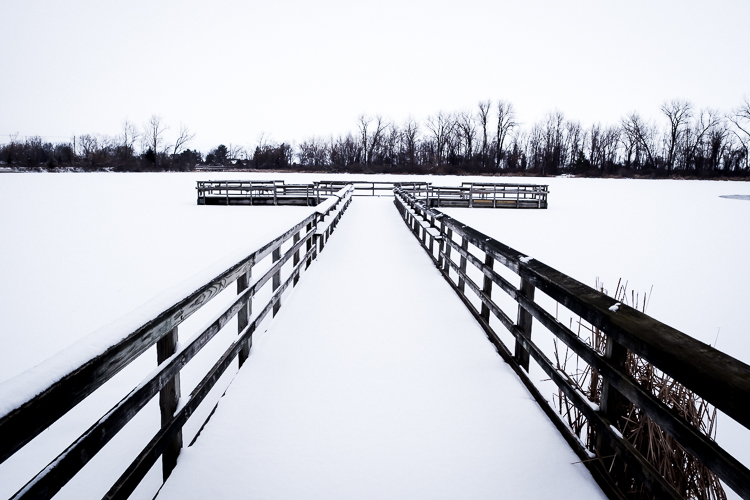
(640, 137)
(411, 129)
(678, 112)
(708, 120)
(129, 136)
(467, 129)
(740, 118)
(12, 146)
(506, 122)
(154, 134)
(376, 138)
(484, 113)
(235, 152)
(183, 138)
(364, 123)
(441, 126)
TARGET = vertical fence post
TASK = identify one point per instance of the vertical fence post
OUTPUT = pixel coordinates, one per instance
(432, 238)
(524, 324)
(614, 407)
(471, 196)
(296, 257)
(442, 246)
(462, 264)
(243, 315)
(276, 256)
(169, 397)
(309, 244)
(487, 288)
(447, 264)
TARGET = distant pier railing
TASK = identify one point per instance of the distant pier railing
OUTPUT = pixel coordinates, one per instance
(468, 195)
(30, 417)
(716, 377)
(482, 195)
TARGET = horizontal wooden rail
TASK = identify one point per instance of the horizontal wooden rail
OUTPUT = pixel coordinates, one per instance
(473, 194)
(715, 376)
(27, 421)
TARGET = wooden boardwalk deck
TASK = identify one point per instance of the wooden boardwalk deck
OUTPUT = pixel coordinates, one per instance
(374, 381)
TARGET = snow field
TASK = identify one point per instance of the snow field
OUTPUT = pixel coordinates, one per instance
(78, 251)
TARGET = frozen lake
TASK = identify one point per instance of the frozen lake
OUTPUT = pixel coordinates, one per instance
(78, 251)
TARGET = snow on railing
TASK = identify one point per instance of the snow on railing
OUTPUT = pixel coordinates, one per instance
(36, 399)
(718, 378)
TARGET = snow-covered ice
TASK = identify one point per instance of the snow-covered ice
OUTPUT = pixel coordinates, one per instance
(80, 251)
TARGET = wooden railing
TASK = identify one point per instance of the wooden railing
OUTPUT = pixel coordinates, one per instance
(260, 192)
(31, 417)
(371, 188)
(481, 194)
(716, 377)
(276, 192)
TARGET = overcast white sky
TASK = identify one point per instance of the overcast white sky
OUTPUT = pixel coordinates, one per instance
(292, 69)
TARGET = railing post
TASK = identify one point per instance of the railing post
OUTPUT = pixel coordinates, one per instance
(243, 316)
(487, 288)
(441, 246)
(432, 238)
(309, 244)
(613, 406)
(448, 237)
(169, 396)
(276, 256)
(296, 258)
(462, 264)
(471, 196)
(524, 324)
(274, 193)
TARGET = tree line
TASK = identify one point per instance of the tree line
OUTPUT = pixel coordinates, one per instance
(683, 141)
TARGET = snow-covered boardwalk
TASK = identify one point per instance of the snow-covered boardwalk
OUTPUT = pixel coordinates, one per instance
(374, 381)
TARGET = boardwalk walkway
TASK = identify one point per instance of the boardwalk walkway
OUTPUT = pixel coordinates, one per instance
(375, 382)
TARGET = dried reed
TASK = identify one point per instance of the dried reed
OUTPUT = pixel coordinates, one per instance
(689, 477)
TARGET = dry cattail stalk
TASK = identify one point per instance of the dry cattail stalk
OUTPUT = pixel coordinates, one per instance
(689, 476)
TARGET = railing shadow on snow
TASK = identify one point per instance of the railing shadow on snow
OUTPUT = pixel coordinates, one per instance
(30, 417)
(718, 378)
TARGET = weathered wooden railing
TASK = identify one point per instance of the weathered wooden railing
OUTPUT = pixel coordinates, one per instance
(260, 193)
(370, 188)
(718, 378)
(35, 414)
(276, 192)
(482, 194)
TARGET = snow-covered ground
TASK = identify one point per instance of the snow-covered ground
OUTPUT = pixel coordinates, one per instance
(78, 251)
